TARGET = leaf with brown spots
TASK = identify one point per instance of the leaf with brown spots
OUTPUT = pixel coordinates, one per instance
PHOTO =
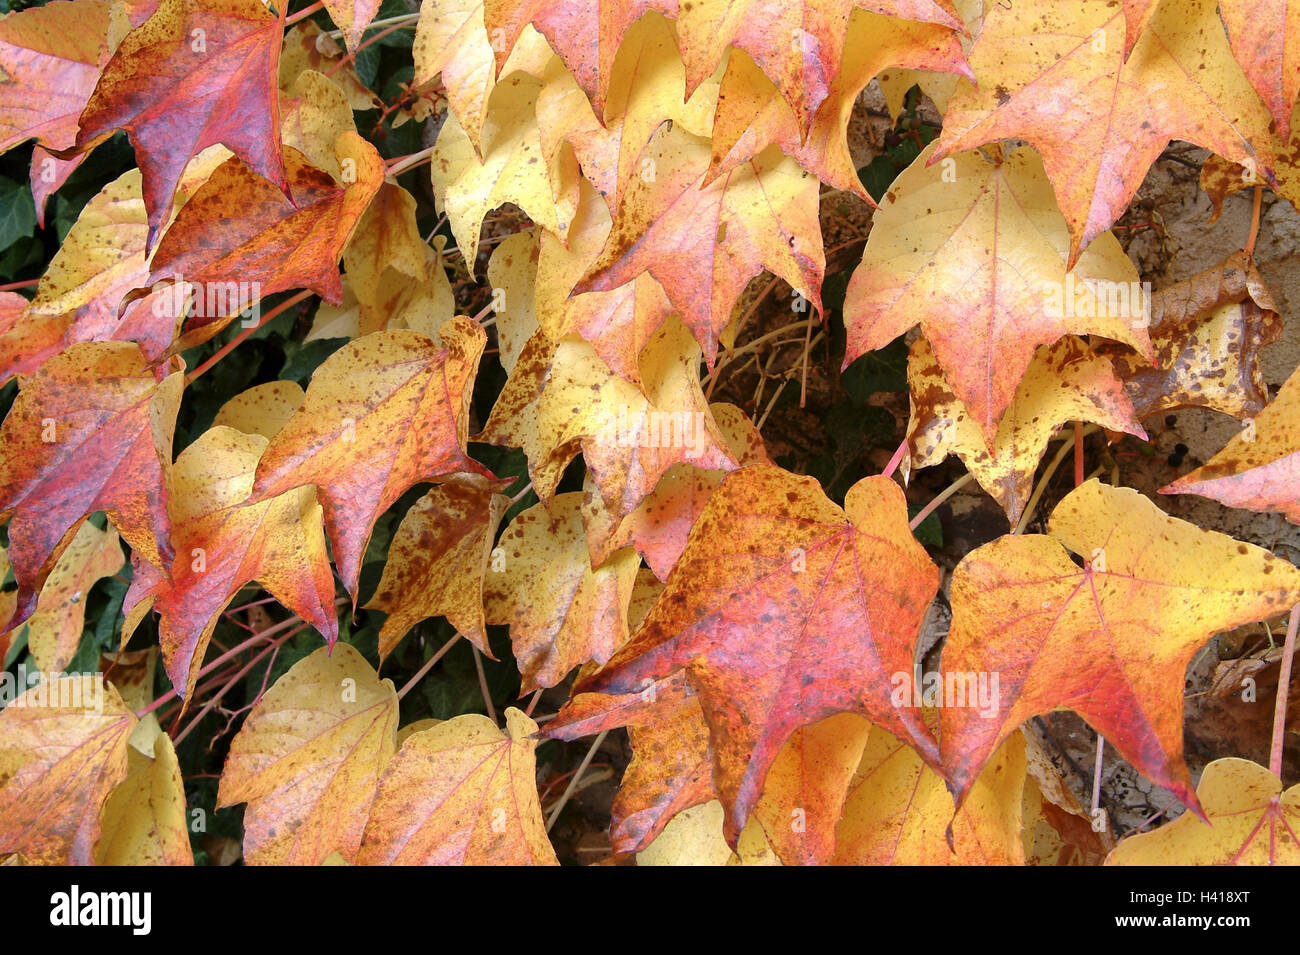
(1251, 822)
(704, 242)
(1259, 469)
(783, 610)
(352, 17)
(196, 73)
(307, 48)
(437, 561)
(1207, 332)
(239, 239)
(1066, 381)
(63, 749)
(1064, 86)
(100, 402)
(975, 250)
(309, 757)
(461, 793)
(1110, 640)
(54, 631)
(224, 541)
(1265, 39)
(562, 611)
(392, 398)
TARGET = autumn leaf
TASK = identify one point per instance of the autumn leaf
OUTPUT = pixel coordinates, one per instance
(784, 610)
(1251, 822)
(238, 239)
(799, 45)
(1066, 381)
(703, 243)
(1110, 640)
(1100, 121)
(752, 114)
(512, 168)
(51, 56)
(54, 631)
(308, 759)
(96, 401)
(1265, 39)
(671, 769)
(63, 748)
(306, 48)
(395, 397)
(976, 251)
(196, 73)
(314, 113)
(1259, 469)
(386, 237)
(451, 40)
(1206, 332)
(224, 541)
(352, 17)
(587, 34)
(437, 561)
(461, 793)
(144, 819)
(898, 810)
(562, 611)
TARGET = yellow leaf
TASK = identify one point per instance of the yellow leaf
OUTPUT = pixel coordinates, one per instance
(144, 820)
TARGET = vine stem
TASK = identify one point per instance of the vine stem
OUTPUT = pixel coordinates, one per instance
(1255, 205)
(895, 461)
(351, 55)
(230, 346)
(1096, 775)
(942, 496)
(304, 13)
(577, 778)
(1078, 453)
(16, 285)
(1283, 686)
(482, 685)
(428, 665)
(401, 164)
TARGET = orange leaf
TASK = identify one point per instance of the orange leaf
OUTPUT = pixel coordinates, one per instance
(395, 397)
(196, 73)
(784, 610)
(1110, 640)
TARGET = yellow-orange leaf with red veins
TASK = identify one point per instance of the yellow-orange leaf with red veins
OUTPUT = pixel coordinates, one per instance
(1206, 332)
(223, 542)
(54, 631)
(309, 757)
(1053, 73)
(386, 237)
(63, 748)
(783, 610)
(752, 114)
(975, 251)
(461, 793)
(437, 561)
(240, 238)
(196, 73)
(94, 402)
(1259, 469)
(1110, 640)
(51, 57)
(799, 44)
(703, 243)
(306, 48)
(382, 414)
(1252, 822)
(586, 34)
(898, 810)
(562, 611)
(1066, 381)
(1265, 39)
